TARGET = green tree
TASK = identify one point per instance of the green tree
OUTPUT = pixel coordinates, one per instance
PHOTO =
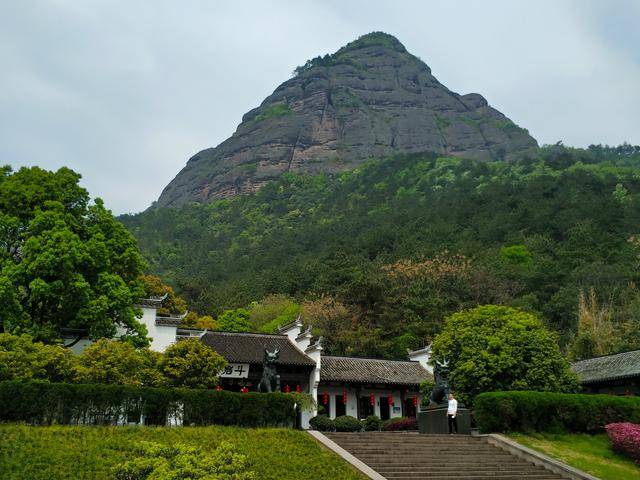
(500, 348)
(65, 265)
(112, 361)
(192, 364)
(23, 359)
(273, 311)
(238, 320)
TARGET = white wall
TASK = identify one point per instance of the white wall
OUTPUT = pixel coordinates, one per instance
(352, 401)
(161, 335)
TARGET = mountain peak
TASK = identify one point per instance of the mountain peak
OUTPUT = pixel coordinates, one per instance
(371, 98)
(377, 39)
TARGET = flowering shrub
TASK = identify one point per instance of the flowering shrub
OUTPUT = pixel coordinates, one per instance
(402, 423)
(173, 462)
(625, 439)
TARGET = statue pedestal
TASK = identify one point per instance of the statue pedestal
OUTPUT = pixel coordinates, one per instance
(434, 420)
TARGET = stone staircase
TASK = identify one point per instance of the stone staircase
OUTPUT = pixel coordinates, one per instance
(400, 455)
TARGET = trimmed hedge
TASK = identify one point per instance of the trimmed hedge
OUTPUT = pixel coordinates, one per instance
(347, 423)
(322, 423)
(44, 403)
(372, 423)
(552, 412)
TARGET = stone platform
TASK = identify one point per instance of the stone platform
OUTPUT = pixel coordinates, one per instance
(433, 420)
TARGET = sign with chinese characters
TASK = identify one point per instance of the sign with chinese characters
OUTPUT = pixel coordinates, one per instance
(235, 370)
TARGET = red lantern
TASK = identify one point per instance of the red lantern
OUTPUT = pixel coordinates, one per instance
(218, 388)
(287, 389)
(390, 399)
(298, 389)
(372, 399)
(244, 390)
(415, 400)
(344, 397)
(325, 398)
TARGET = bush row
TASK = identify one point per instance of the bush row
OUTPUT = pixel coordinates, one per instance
(44, 403)
(552, 412)
(347, 423)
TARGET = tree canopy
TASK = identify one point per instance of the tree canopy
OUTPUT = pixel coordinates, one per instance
(66, 264)
(403, 242)
(501, 348)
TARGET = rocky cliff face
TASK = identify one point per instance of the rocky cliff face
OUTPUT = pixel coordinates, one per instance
(370, 99)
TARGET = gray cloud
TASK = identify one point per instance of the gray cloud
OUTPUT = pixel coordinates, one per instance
(124, 92)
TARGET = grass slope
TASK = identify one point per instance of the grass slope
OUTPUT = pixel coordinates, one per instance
(590, 453)
(51, 453)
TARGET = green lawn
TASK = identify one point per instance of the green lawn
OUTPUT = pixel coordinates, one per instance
(63, 452)
(590, 453)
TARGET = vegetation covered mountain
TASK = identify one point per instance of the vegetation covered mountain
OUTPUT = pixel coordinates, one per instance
(370, 99)
(381, 254)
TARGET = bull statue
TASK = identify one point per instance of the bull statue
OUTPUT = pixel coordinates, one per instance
(441, 388)
(270, 381)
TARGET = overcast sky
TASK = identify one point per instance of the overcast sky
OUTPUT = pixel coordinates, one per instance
(124, 92)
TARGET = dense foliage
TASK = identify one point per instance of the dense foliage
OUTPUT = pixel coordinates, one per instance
(625, 439)
(188, 363)
(391, 248)
(44, 403)
(347, 423)
(192, 364)
(65, 264)
(552, 412)
(501, 348)
(66, 452)
(23, 359)
(179, 461)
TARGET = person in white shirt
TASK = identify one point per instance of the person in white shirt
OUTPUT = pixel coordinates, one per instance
(452, 411)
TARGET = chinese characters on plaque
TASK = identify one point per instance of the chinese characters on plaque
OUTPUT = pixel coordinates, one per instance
(235, 370)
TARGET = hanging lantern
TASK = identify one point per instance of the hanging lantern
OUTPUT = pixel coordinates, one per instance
(298, 389)
(372, 399)
(325, 398)
(244, 390)
(287, 389)
(218, 388)
(344, 397)
(415, 400)
(390, 399)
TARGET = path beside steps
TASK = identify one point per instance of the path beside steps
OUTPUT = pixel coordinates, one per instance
(408, 455)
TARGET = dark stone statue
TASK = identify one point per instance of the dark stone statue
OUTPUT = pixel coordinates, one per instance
(270, 381)
(441, 388)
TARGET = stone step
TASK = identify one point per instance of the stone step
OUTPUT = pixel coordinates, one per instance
(523, 476)
(408, 455)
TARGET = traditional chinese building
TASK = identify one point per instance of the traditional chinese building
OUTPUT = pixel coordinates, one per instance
(340, 385)
(617, 374)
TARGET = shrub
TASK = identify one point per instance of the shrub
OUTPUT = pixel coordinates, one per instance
(322, 423)
(400, 424)
(372, 423)
(552, 412)
(63, 403)
(347, 423)
(169, 462)
(625, 439)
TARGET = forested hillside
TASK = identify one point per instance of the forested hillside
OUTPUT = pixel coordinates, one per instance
(382, 253)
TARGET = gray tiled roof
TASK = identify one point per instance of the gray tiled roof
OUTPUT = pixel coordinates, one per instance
(249, 347)
(370, 370)
(153, 302)
(610, 367)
